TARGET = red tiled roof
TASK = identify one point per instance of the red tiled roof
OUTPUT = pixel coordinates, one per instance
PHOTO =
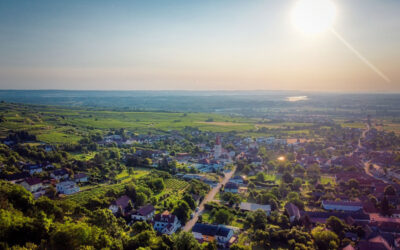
(292, 210)
(122, 201)
(146, 210)
(33, 181)
(165, 217)
(376, 243)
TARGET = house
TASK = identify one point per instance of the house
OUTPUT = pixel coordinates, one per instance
(32, 169)
(350, 206)
(231, 187)
(208, 233)
(81, 177)
(60, 174)
(121, 203)
(67, 187)
(238, 180)
(322, 217)
(348, 247)
(166, 223)
(211, 183)
(145, 213)
(246, 206)
(293, 212)
(32, 184)
(18, 177)
(376, 243)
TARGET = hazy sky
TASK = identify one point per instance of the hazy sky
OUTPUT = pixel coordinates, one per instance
(194, 45)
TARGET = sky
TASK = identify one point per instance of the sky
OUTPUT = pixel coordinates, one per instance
(195, 45)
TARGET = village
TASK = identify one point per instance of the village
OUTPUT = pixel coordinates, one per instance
(309, 181)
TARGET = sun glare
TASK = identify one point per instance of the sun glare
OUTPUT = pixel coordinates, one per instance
(313, 16)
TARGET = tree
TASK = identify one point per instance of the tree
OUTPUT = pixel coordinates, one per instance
(223, 216)
(287, 177)
(336, 225)
(185, 241)
(130, 190)
(211, 246)
(190, 201)
(257, 220)
(73, 235)
(389, 190)
(297, 182)
(385, 206)
(262, 237)
(104, 218)
(260, 177)
(144, 239)
(182, 211)
(325, 239)
(313, 170)
(353, 183)
(157, 185)
(141, 226)
(141, 199)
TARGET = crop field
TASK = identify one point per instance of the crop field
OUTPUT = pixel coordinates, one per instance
(390, 127)
(59, 124)
(175, 185)
(96, 191)
(353, 125)
(56, 125)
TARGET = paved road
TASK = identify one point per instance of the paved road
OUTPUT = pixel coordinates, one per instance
(207, 198)
(367, 163)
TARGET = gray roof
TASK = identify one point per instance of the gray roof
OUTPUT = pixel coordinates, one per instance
(211, 230)
(253, 207)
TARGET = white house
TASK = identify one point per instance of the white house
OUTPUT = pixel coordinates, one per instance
(208, 233)
(247, 206)
(239, 180)
(231, 187)
(166, 223)
(120, 203)
(350, 206)
(81, 177)
(145, 213)
(67, 187)
(60, 174)
(32, 184)
(32, 169)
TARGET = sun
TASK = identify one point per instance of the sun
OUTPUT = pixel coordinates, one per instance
(313, 16)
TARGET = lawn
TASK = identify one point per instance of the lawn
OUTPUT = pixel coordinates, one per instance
(327, 179)
(54, 137)
(137, 173)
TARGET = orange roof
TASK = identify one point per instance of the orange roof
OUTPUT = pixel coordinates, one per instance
(208, 238)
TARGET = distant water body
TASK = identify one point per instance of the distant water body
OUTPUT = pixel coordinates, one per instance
(296, 98)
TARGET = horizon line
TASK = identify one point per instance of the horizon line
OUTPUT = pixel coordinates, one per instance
(215, 90)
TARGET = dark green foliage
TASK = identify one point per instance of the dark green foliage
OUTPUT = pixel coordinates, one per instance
(189, 200)
(182, 211)
(185, 241)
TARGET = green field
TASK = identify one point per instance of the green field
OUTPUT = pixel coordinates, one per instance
(56, 125)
